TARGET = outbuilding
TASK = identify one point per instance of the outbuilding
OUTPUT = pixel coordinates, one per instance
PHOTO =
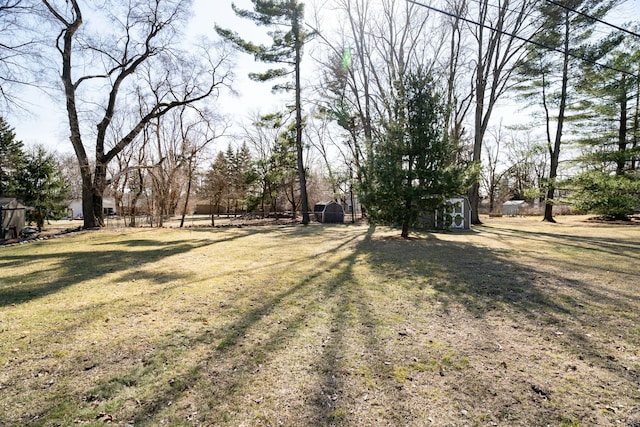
(455, 213)
(513, 207)
(329, 212)
(459, 209)
(12, 217)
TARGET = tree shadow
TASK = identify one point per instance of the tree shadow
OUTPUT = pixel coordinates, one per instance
(604, 245)
(74, 267)
(576, 317)
(445, 276)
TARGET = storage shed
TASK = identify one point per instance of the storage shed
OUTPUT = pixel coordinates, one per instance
(513, 207)
(455, 214)
(460, 211)
(12, 217)
(329, 212)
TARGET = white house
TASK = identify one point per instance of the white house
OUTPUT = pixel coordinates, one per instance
(75, 208)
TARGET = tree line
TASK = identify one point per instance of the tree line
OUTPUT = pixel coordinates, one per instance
(401, 106)
(34, 177)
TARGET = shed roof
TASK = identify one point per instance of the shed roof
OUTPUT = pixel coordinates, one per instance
(514, 203)
(7, 202)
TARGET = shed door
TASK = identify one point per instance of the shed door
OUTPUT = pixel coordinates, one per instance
(457, 213)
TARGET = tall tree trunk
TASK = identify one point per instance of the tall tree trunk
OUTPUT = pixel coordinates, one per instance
(299, 149)
(480, 85)
(186, 200)
(622, 129)
(136, 197)
(66, 50)
(555, 153)
(97, 191)
(636, 123)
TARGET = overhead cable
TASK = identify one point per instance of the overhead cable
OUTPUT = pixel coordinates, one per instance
(526, 40)
(609, 24)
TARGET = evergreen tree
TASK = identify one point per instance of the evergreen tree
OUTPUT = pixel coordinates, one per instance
(215, 184)
(413, 171)
(607, 194)
(42, 187)
(12, 160)
(241, 167)
(546, 74)
(607, 130)
(286, 17)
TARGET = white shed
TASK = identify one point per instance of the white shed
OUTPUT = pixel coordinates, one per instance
(457, 213)
(513, 207)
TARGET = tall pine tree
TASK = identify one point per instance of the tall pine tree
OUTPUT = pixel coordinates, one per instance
(285, 17)
(413, 170)
(609, 183)
(546, 74)
(42, 187)
(12, 160)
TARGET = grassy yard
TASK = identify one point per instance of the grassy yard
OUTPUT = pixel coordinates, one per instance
(516, 323)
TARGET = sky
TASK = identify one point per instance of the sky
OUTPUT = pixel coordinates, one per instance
(47, 124)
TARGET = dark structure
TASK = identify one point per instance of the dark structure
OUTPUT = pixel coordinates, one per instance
(329, 212)
(12, 217)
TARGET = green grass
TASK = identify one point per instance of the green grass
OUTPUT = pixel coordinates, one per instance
(516, 323)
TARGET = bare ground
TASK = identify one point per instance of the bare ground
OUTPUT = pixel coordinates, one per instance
(516, 323)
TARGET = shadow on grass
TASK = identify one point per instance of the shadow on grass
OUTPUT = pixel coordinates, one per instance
(449, 268)
(480, 280)
(484, 281)
(95, 261)
(605, 245)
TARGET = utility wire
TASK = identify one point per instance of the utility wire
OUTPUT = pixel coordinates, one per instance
(593, 18)
(526, 40)
(531, 15)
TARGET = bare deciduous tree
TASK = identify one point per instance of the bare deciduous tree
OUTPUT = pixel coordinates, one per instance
(103, 69)
(17, 49)
(500, 31)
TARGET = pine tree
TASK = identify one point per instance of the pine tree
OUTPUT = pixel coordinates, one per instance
(286, 17)
(413, 170)
(42, 187)
(215, 184)
(12, 160)
(552, 61)
(609, 183)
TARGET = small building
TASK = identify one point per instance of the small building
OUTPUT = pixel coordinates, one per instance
(12, 217)
(108, 208)
(513, 207)
(460, 211)
(329, 212)
(456, 213)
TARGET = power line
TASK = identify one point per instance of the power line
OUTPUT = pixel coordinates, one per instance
(526, 40)
(593, 18)
(529, 15)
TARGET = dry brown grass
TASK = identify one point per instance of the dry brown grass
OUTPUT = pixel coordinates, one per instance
(517, 323)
